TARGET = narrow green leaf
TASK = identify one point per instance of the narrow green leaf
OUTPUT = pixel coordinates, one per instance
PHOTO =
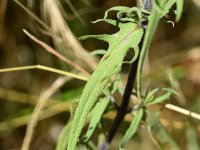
(167, 7)
(103, 37)
(163, 97)
(98, 111)
(64, 135)
(63, 138)
(117, 8)
(150, 95)
(179, 8)
(132, 128)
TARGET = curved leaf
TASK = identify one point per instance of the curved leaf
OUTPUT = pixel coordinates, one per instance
(163, 97)
(63, 138)
(132, 128)
(150, 96)
(179, 8)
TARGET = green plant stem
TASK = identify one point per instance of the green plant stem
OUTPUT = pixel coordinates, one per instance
(152, 26)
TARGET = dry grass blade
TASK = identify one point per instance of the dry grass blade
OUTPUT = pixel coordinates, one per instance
(44, 68)
(50, 10)
(38, 108)
(54, 52)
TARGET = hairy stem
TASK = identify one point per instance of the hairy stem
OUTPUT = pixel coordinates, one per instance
(152, 26)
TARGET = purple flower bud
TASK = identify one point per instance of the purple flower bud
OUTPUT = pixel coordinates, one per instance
(148, 5)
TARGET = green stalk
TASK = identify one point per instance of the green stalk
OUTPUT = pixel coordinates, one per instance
(151, 28)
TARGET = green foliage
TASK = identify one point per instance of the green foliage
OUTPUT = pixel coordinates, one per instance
(150, 99)
(129, 36)
(132, 128)
(63, 138)
(98, 111)
(179, 8)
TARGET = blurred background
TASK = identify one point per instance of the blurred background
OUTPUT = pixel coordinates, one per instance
(174, 50)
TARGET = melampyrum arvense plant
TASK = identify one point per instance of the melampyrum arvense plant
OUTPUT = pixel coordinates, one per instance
(99, 89)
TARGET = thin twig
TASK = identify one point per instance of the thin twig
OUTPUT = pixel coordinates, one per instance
(54, 52)
(37, 110)
(44, 68)
(183, 111)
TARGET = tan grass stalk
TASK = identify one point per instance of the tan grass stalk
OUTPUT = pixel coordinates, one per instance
(38, 108)
(51, 12)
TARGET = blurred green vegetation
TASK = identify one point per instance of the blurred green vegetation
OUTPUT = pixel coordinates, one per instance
(175, 50)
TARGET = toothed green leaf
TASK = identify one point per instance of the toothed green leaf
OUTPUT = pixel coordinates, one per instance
(103, 37)
(109, 21)
(128, 36)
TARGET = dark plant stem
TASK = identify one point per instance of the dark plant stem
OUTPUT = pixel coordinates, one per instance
(125, 100)
(130, 82)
